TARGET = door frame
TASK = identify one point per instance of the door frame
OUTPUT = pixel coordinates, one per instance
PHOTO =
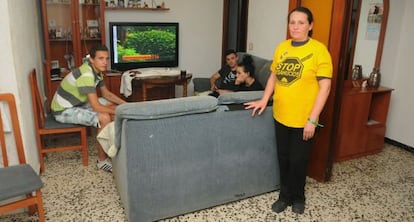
(242, 24)
(323, 149)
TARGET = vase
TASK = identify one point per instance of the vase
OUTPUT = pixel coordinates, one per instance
(374, 78)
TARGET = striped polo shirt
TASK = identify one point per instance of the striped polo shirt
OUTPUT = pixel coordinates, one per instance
(74, 88)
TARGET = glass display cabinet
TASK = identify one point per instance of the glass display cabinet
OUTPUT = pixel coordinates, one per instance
(70, 28)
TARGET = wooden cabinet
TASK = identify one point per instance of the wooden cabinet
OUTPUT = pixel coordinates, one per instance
(70, 29)
(113, 83)
(146, 89)
(362, 122)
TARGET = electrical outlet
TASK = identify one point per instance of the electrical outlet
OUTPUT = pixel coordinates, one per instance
(250, 46)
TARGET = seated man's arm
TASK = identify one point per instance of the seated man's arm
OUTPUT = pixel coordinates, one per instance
(213, 80)
(98, 107)
(222, 91)
(111, 96)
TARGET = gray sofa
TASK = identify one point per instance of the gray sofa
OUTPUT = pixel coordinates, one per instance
(181, 155)
(262, 67)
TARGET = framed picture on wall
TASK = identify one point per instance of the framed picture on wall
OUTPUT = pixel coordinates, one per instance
(54, 64)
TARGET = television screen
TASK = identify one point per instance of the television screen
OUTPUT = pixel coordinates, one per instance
(140, 45)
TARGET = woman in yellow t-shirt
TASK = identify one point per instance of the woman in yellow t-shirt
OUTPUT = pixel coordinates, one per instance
(300, 82)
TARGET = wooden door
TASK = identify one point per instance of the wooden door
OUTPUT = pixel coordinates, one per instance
(329, 17)
(235, 17)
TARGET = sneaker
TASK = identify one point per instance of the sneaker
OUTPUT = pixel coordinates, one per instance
(279, 206)
(298, 207)
(104, 165)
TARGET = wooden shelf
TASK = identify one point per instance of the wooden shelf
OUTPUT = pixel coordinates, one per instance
(137, 9)
(60, 40)
(91, 39)
(362, 122)
(69, 15)
(90, 4)
(58, 3)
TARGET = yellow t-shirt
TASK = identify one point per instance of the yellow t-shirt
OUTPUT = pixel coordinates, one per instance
(296, 88)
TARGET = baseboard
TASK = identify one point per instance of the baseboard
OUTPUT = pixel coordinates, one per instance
(398, 144)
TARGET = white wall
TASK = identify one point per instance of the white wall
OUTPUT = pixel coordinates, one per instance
(366, 48)
(20, 52)
(200, 30)
(397, 71)
(267, 25)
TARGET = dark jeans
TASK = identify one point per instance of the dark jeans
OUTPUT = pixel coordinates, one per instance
(293, 154)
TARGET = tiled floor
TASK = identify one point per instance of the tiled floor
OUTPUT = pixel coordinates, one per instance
(374, 188)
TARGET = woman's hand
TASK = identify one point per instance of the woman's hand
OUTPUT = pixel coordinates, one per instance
(308, 131)
(258, 106)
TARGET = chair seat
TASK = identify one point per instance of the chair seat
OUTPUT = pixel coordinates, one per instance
(18, 180)
(51, 123)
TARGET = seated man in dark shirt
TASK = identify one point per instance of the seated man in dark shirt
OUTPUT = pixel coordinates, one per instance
(227, 73)
(245, 80)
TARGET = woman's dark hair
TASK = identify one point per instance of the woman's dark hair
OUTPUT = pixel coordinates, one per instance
(307, 12)
(247, 64)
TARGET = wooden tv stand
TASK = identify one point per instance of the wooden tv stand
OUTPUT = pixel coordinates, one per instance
(362, 122)
(149, 88)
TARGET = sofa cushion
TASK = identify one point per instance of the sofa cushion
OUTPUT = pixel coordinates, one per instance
(239, 97)
(167, 107)
(263, 74)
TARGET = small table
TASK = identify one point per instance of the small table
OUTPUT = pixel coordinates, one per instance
(164, 81)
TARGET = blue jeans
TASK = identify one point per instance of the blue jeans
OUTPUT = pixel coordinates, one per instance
(82, 115)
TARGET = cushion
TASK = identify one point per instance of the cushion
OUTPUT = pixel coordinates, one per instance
(166, 108)
(51, 123)
(263, 74)
(239, 97)
(18, 180)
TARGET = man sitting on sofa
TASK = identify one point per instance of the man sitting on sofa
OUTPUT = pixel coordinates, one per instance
(245, 80)
(227, 73)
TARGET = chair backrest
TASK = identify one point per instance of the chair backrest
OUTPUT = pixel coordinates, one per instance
(38, 110)
(11, 104)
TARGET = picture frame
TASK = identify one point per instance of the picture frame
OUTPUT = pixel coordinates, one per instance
(92, 23)
(54, 64)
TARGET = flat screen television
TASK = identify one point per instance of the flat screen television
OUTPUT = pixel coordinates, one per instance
(139, 45)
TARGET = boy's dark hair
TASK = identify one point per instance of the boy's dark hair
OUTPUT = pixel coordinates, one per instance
(247, 64)
(307, 12)
(229, 51)
(95, 48)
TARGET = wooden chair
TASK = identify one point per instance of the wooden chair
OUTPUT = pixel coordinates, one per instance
(46, 126)
(18, 180)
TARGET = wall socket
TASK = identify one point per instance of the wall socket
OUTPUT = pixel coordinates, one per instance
(250, 46)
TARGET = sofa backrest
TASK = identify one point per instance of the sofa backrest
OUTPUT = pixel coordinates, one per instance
(262, 67)
(158, 109)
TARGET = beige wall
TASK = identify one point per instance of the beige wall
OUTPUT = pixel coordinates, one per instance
(199, 36)
(200, 30)
(266, 26)
(397, 71)
(20, 52)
